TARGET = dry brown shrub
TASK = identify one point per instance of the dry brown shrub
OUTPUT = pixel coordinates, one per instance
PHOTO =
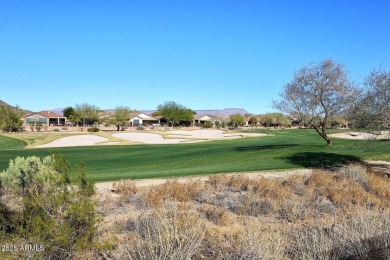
(239, 182)
(297, 184)
(253, 205)
(107, 204)
(357, 173)
(294, 210)
(164, 236)
(172, 190)
(236, 182)
(340, 190)
(364, 235)
(216, 214)
(271, 189)
(218, 181)
(322, 204)
(380, 186)
(125, 188)
(248, 239)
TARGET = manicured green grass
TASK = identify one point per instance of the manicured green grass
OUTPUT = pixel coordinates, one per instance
(11, 143)
(285, 149)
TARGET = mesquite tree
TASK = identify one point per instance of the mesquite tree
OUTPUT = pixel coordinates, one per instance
(316, 93)
(372, 109)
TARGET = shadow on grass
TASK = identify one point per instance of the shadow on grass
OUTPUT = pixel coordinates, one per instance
(321, 159)
(264, 147)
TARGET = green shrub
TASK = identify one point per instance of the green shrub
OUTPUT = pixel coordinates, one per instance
(207, 125)
(140, 127)
(55, 209)
(93, 129)
(38, 127)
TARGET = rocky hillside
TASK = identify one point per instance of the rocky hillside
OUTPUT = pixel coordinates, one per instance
(2, 103)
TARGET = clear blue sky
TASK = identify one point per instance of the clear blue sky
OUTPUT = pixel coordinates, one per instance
(202, 54)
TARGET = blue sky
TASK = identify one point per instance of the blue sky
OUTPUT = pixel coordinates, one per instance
(202, 54)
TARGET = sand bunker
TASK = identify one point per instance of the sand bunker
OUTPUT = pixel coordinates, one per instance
(210, 134)
(75, 140)
(361, 136)
(179, 136)
(149, 138)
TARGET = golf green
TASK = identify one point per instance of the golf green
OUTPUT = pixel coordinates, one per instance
(284, 149)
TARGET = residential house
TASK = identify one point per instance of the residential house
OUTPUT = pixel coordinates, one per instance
(137, 119)
(202, 119)
(46, 117)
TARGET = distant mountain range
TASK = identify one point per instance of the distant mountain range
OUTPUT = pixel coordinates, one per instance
(210, 112)
(213, 112)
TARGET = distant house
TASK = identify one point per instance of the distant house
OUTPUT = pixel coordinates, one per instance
(137, 119)
(201, 119)
(45, 117)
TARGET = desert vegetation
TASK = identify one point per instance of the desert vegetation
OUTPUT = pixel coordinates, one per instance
(10, 118)
(335, 214)
(46, 206)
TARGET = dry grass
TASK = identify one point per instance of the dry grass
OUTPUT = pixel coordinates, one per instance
(163, 236)
(222, 182)
(248, 239)
(125, 188)
(380, 186)
(172, 190)
(216, 214)
(364, 235)
(343, 192)
(328, 215)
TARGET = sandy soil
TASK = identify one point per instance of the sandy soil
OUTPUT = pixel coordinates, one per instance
(106, 187)
(76, 140)
(361, 136)
(149, 138)
(209, 134)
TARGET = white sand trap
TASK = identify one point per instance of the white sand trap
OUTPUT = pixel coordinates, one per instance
(149, 138)
(75, 140)
(361, 135)
(210, 134)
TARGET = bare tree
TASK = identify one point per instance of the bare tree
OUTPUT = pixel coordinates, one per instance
(316, 93)
(372, 109)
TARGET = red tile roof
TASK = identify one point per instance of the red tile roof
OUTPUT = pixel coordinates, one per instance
(48, 114)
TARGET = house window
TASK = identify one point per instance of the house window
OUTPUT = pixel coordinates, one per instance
(136, 122)
(30, 120)
(42, 120)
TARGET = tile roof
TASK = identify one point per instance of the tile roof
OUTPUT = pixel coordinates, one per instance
(47, 113)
